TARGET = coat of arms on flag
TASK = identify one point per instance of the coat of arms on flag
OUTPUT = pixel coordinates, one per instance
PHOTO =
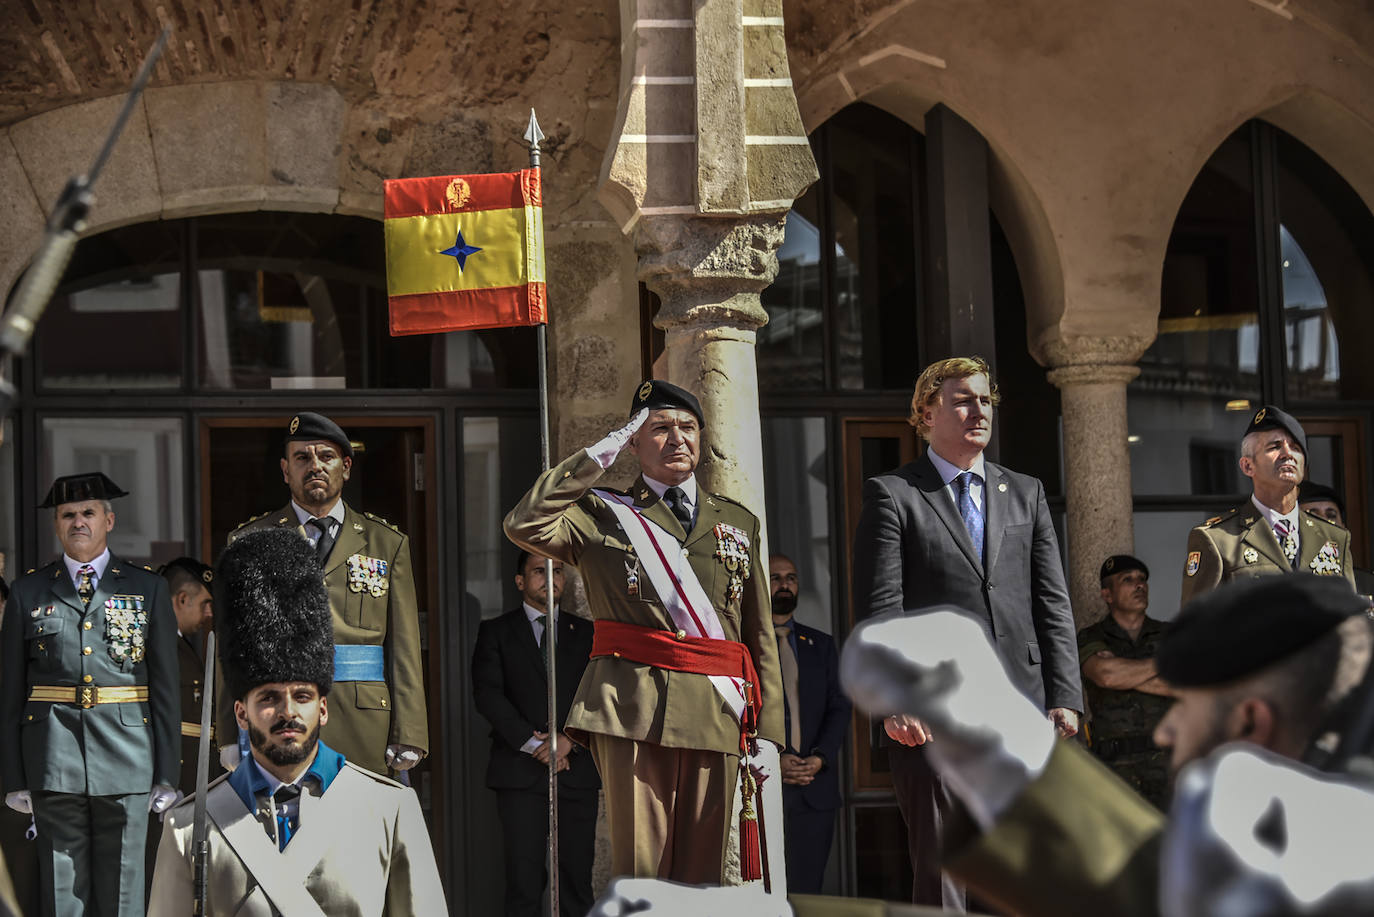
(465, 252)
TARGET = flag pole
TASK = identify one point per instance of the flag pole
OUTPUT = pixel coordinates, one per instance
(541, 336)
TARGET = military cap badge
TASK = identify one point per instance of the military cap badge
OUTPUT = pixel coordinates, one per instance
(295, 424)
(1258, 417)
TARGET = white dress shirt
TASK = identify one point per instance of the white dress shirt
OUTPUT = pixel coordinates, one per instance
(948, 472)
(74, 568)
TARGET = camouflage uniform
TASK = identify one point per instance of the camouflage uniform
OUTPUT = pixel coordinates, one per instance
(1123, 722)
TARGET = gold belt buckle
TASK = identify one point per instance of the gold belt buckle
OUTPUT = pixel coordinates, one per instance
(90, 696)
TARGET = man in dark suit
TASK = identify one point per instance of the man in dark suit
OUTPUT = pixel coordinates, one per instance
(816, 719)
(510, 688)
(953, 528)
(88, 707)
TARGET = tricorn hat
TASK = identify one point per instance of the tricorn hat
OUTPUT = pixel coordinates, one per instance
(655, 394)
(78, 488)
(272, 613)
(308, 425)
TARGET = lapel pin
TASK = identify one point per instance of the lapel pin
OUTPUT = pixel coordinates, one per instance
(1001, 488)
(357, 527)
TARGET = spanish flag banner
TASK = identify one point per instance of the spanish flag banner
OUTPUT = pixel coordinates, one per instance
(465, 252)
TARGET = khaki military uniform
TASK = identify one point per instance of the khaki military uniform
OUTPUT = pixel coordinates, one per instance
(1076, 841)
(369, 608)
(627, 709)
(1241, 543)
(361, 848)
(189, 650)
(1123, 722)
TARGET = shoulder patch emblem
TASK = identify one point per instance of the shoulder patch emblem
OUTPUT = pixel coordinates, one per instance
(1194, 561)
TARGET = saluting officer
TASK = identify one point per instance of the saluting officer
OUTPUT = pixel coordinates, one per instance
(88, 703)
(683, 643)
(378, 717)
(1269, 534)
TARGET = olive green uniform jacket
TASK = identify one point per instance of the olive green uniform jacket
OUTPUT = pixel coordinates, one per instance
(1076, 841)
(365, 716)
(362, 849)
(50, 638)
(1240, 543)
(561, 519)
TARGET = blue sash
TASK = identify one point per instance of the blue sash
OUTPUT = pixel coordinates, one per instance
(359, 663)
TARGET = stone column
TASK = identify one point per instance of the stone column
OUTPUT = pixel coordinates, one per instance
(1091, 375)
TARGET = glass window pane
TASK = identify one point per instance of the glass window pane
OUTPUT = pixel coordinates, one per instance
(121, 333)
(1200, 378)
(791, 346)
(874, 216)
(1326, 246)
(797, 491)
(500, 462)
(143, 455)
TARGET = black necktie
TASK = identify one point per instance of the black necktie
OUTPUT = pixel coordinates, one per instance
(323, 543)
(543, 633)
(677, 502)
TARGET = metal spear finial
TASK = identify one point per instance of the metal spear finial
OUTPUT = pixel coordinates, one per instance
(533, 134)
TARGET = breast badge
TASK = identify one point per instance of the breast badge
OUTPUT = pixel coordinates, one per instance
(125, 620)
(632, 577)
(1328, 560)
(368, 574)
(1250, 555)
(732, 550)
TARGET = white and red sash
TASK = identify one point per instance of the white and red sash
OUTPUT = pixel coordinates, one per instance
(665, 563)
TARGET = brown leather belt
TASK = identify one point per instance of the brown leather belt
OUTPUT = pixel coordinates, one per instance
(89, 695)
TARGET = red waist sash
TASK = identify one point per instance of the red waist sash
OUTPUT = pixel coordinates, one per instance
(696, 655)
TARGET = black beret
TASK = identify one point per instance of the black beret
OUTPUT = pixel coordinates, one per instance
(199, 571)
(78, 488)
(1244, 626)
(309, 426)
(655, 394)
(1271, 418)
(1309, 492)
(1120, 563)
(272, 613)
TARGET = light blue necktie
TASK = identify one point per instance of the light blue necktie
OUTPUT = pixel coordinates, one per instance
(969, 511)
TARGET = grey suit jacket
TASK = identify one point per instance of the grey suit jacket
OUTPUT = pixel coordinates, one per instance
(911, 550)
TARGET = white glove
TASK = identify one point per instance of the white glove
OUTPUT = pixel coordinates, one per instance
(163, 797)
(229, 756)
(669, 899)
(605, 452)
(936, 664)
(1216, 859)
(402, 757)
(20, 801)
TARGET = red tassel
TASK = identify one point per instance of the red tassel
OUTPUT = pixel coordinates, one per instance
(750, 856)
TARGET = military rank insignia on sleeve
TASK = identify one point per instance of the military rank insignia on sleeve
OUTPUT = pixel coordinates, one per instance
(367, 574)
(1194, 561)
(1328, 560)
(125, 619)
(732, 550)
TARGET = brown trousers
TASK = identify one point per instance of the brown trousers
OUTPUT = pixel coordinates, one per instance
(668, 808)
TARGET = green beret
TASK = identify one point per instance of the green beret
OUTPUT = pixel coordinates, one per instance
(1120, 563)
(1244, 626)
(655, 394)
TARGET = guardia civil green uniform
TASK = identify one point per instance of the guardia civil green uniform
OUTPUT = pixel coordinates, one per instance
(653, 707)
(89, 719)
(372, 601)
(1240, 543)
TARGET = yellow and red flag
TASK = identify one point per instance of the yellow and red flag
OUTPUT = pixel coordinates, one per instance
(465, 252)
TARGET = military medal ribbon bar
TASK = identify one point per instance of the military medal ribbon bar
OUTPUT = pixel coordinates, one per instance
(465, 252)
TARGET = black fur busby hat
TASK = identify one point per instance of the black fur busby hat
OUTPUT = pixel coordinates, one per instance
(272, 613)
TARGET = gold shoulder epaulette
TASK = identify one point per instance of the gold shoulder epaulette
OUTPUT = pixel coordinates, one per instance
(151, 570)
(1222, 518)
(249, 521)
(375, 518)
(1213, 521)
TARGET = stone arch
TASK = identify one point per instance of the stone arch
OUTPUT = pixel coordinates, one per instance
(904, 91)
(187, 150)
